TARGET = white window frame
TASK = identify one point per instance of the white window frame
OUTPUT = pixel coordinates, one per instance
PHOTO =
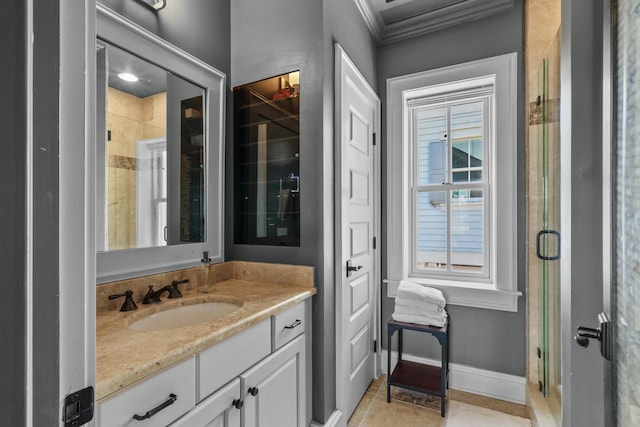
(483, 92)
(500, 290)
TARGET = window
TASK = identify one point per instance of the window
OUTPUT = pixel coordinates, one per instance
(448, 189)
(452, 182)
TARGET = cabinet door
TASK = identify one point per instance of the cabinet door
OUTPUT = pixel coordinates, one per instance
(275, 389)
(218, 410)
(226, 360)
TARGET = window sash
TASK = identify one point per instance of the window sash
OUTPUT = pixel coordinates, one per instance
(448, 102)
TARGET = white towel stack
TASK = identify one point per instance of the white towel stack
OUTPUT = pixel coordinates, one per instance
(419, 304)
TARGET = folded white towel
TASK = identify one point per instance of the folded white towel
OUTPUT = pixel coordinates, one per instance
(414, 291)
(432, 320)
(416, 307)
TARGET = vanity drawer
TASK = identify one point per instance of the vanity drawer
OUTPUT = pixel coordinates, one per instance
(226, 360)
(152, 393)
(288, 325)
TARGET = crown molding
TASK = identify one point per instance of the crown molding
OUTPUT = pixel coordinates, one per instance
(457, 13)
(371, 18)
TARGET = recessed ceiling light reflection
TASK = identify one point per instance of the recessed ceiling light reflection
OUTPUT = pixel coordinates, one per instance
(128, 77)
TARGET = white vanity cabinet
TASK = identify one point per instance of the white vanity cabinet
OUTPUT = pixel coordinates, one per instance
(257, 377)
(276, 389)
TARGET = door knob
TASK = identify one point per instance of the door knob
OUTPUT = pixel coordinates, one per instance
(601, 333)
(585, 334)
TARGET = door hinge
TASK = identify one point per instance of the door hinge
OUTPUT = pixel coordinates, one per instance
(78, 407)
(374, 243)
(374, 138)
(375, 346)
(539, 352)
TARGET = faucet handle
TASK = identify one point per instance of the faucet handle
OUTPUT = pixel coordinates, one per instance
(174, 292)
(129, 304)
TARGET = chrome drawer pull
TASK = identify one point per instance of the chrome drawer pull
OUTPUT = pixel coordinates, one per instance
(294, 324)
(151, 413)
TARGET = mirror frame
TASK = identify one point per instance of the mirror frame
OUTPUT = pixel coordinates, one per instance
(127, 263)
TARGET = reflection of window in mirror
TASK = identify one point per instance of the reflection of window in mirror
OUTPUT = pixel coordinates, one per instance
(151, 177)
(267, 166)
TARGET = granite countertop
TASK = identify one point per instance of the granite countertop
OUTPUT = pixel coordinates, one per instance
(125, 356)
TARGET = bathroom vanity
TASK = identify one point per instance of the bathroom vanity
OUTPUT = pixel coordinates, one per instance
(160, 175)
(249, 367)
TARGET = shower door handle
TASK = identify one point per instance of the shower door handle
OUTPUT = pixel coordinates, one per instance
(538, 238)
(601, 333)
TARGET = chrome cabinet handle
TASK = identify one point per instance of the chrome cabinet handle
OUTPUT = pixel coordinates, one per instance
(151, 413)
(294, 324)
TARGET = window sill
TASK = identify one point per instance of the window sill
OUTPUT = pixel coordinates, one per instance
(479, 295)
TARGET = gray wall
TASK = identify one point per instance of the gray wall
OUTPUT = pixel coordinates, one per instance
(485, 339)
(200, 27)
(45, 241)
(343, 24)
(269, 39)
(14, 192)
(13, 213)
(272, 39)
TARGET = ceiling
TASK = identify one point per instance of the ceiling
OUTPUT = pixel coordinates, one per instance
(152, 79)
(393, 20)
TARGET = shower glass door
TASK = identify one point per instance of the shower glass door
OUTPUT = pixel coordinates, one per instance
(544, 137)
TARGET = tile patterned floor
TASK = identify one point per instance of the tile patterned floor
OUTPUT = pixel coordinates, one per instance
(409, 409)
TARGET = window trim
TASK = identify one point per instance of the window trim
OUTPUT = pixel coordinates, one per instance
(501, 293)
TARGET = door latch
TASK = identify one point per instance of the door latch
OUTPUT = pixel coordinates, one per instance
(78, 408)
(602, 333)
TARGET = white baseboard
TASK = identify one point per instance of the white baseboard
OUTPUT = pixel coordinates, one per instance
(501, 386)
(333, 420)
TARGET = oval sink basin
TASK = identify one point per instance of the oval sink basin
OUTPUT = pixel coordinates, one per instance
(184, 316)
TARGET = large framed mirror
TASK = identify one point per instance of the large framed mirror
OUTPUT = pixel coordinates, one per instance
(159, 154)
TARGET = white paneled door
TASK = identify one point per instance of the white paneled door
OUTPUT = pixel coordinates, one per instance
(358, 110)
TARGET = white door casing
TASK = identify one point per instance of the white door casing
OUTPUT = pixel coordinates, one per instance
(77, 250)
(357, 207)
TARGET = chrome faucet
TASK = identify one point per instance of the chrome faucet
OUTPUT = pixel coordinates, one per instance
(153, 297)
